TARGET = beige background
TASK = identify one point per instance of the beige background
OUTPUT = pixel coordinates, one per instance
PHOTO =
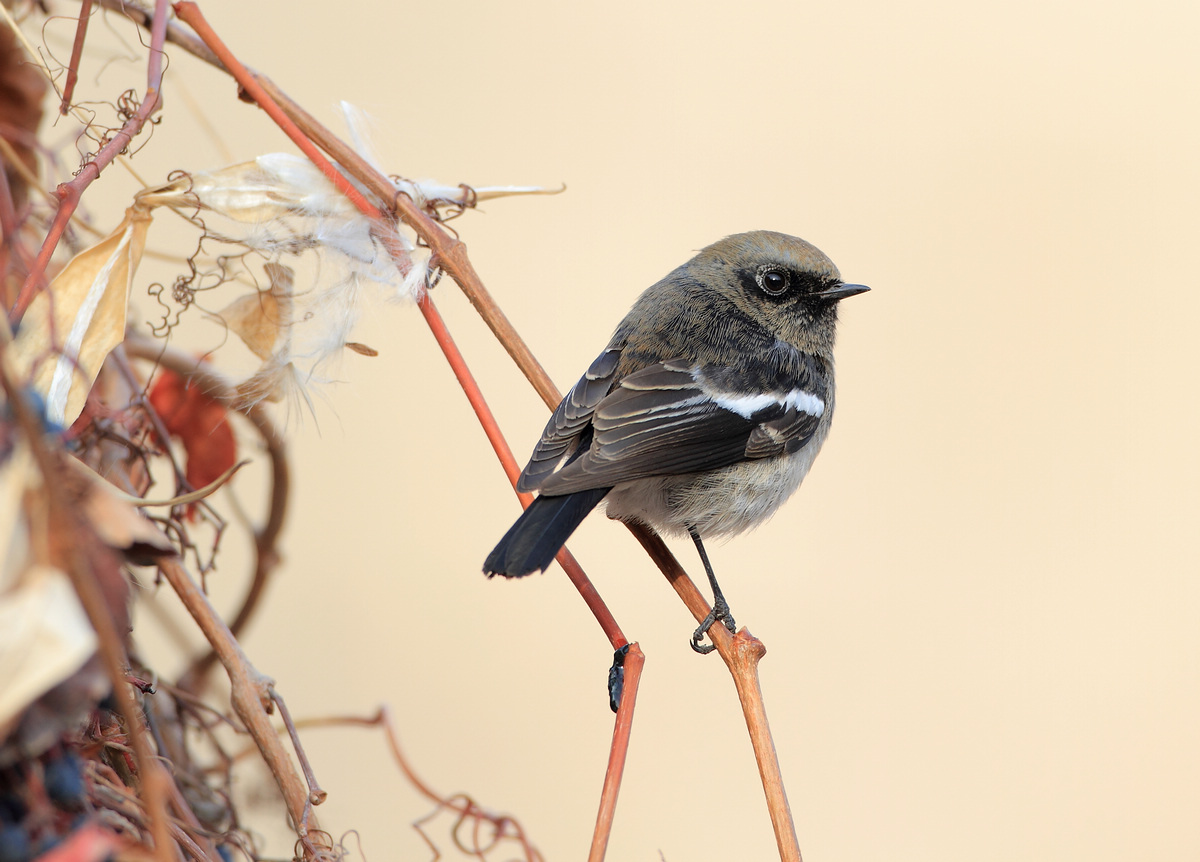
(981, 609)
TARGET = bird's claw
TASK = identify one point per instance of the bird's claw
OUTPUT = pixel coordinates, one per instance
(698, 637)
(719, 612)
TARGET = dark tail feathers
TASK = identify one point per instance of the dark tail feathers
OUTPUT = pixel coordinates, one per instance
(532, 543)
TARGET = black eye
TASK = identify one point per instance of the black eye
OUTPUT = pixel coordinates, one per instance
(772, 280)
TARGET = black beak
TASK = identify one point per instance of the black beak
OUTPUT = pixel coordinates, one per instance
(841, 291)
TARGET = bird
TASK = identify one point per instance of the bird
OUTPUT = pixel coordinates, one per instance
(702, 415)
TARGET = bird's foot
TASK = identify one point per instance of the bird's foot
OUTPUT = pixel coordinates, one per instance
(720, 612)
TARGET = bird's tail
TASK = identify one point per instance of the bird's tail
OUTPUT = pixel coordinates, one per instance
(532, 543)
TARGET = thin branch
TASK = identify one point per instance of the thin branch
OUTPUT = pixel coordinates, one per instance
(266, 538)
(85, 14)
(121, 360)
(8, 210)
(449, 251)
(32, 181)
(741, 654)
(250, 694)
(144, 17)
(578, 577)
(634, 661)
(467, 808)
(315, 794)
(69, 194)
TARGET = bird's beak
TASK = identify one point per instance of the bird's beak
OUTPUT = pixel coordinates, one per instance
(841, 291)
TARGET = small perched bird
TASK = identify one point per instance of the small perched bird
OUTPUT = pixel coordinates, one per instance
(702, 415)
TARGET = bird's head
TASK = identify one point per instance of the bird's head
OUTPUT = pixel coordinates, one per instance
(783, 283)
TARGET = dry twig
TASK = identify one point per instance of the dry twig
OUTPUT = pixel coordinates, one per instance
(266, 538)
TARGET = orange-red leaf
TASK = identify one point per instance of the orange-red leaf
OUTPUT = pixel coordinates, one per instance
(200, 423)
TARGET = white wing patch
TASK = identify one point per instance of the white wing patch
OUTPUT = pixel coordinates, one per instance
(747, 405)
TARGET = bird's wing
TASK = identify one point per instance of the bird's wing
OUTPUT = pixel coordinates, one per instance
(672, 418)
(570, 426)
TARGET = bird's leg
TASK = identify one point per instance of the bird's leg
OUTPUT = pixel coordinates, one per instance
(720, 608)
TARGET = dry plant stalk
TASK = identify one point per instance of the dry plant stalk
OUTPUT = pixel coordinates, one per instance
(100, 347)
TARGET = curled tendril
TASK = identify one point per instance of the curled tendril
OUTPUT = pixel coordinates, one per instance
(127, 105)
(454, 209)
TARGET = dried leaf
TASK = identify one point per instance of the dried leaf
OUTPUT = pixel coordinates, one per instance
(272, 186)
(200, 422)
(46, 640)
(88, 302)
(118, 524)
(17, 475)
(258, 318)
(45, 636)
(361, 349)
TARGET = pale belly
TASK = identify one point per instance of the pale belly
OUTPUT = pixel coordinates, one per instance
(719, 503)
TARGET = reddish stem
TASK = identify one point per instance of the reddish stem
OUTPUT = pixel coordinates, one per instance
(69, 194)
(467, 380)
(189, 13)
(466, 807)
(634, 659)
(85, 13)
(451, 253)
(570, 565)
(741, 653)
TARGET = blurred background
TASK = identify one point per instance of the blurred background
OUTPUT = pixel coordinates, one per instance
(980, 610)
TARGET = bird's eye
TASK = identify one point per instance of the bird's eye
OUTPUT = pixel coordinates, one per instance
(772, 280)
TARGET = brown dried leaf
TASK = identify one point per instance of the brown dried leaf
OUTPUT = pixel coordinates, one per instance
(258, 318)
(118, 524)
(177, 194)
(45, 636)
(88, 303)
(361, 349)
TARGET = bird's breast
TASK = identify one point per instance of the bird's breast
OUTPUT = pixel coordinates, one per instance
(718, 503)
